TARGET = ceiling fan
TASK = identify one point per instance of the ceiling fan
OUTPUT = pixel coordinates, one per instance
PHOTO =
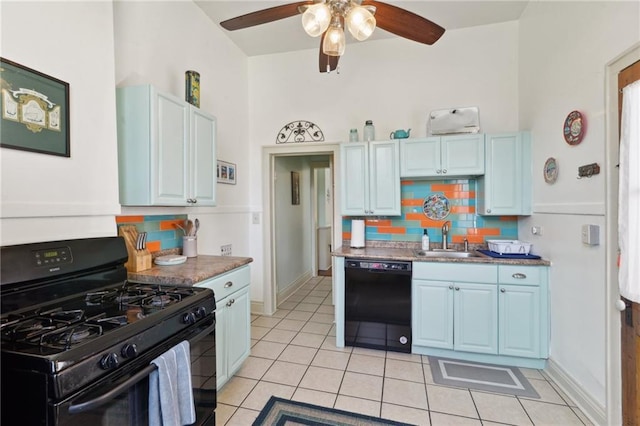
(327, 18)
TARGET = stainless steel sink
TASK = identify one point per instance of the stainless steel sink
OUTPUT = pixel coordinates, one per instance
(445, 253)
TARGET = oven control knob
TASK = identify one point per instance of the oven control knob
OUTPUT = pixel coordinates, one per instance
(201, 312)
(189, 318)
(109, 361)
(130, 350)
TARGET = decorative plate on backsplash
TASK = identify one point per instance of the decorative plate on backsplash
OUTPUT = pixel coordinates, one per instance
(436, 206)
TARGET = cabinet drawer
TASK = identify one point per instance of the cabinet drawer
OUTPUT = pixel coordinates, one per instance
(458, 272)
(517, 274)
(227, 283)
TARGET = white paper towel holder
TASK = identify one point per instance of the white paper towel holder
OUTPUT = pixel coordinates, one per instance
(357, 233)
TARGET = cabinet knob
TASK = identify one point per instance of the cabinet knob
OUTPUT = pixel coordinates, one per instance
(194, 200)
(438, 171)
(451, 287)
(502, 290)
(519, 276)
(488, 210)
(231, 302)
(444, 171)
(457, 288)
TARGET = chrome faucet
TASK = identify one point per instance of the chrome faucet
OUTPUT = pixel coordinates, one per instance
(445, 233)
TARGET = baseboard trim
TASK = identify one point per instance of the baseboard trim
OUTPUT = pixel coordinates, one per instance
(590, 407)
(293, 287)
(257, 308)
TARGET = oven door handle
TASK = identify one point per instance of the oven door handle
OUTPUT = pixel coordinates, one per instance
(106, 397)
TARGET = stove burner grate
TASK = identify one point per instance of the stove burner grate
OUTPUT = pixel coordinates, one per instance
(66, 337)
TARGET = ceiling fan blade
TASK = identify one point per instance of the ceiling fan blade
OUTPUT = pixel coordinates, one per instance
(327, 63)
(264, 16)
(404, 23)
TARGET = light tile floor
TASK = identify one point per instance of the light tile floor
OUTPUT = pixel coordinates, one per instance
(294, 356)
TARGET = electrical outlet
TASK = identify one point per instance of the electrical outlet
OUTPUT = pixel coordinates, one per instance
(225, 250)
(536, 230)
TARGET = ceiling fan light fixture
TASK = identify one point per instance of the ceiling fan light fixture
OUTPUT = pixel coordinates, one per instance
(334, 39)
(316, 19)
(360, 22)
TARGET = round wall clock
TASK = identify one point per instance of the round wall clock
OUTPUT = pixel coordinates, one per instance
(550, 170)
(574, 128)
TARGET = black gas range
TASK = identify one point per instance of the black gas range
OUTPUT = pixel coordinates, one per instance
(78, 338)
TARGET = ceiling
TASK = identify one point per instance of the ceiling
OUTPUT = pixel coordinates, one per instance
(287, 34)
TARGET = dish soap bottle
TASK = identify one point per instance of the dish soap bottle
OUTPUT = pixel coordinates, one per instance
(369, 132)
(425, 241)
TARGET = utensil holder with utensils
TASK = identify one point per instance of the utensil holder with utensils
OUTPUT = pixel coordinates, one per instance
(136, 242)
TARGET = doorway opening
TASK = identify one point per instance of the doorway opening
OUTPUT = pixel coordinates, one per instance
(614, 349)
(300, 230)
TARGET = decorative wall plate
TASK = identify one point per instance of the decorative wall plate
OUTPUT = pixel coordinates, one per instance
(550, 170)
(436, 206)
(574, 128)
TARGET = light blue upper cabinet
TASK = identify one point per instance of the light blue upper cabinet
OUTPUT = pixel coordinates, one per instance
(505, 188)
(370, 178)
(442, 156)
(166, 150)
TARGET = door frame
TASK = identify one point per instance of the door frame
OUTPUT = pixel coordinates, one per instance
(269, 153)
(613, 324)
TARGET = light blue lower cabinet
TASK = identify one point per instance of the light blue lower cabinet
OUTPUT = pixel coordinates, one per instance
(233, 321)
(503, 320)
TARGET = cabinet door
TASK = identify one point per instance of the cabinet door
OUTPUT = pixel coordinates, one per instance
(222, 372)
(519, 321)
(203, 158)
(462, 155)
(238, 328)
(384, 178)
(170, 156)
(476, 318)
(432, 319)
(355, 178)
(506, 186)
(420, 157)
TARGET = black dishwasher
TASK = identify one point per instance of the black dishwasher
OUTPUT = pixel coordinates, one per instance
(378, 304)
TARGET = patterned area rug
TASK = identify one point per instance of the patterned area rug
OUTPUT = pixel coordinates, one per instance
(486, 377)
(281, 412)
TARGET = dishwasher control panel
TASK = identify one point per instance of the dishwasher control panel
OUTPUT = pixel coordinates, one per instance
(382, 265)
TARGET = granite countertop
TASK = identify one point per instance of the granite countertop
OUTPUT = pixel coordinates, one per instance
(408, 253)
(194, 270)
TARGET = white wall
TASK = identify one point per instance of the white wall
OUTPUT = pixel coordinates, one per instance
(46, 197)
(395, 83)
(564, 48)
(292, 253)
(156, 42)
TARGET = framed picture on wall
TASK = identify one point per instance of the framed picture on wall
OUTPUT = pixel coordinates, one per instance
(295, 188)
(34, 111)
(226, 172)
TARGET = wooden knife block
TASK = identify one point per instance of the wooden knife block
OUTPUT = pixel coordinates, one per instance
(139, 260)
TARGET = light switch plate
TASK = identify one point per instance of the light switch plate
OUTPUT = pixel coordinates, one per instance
(591, 235)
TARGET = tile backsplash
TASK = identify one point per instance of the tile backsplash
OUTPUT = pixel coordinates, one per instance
(162, 232)
(464, 222)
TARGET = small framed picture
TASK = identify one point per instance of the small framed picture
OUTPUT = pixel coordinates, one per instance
(295, 188)
(226, 172)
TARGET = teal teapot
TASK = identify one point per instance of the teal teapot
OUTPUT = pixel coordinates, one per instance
(400, 134)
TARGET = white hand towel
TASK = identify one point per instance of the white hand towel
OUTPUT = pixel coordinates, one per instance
(629, 194)
(170, 392)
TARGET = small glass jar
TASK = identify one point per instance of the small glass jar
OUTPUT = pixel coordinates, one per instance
(353, 135)
(369, 133)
